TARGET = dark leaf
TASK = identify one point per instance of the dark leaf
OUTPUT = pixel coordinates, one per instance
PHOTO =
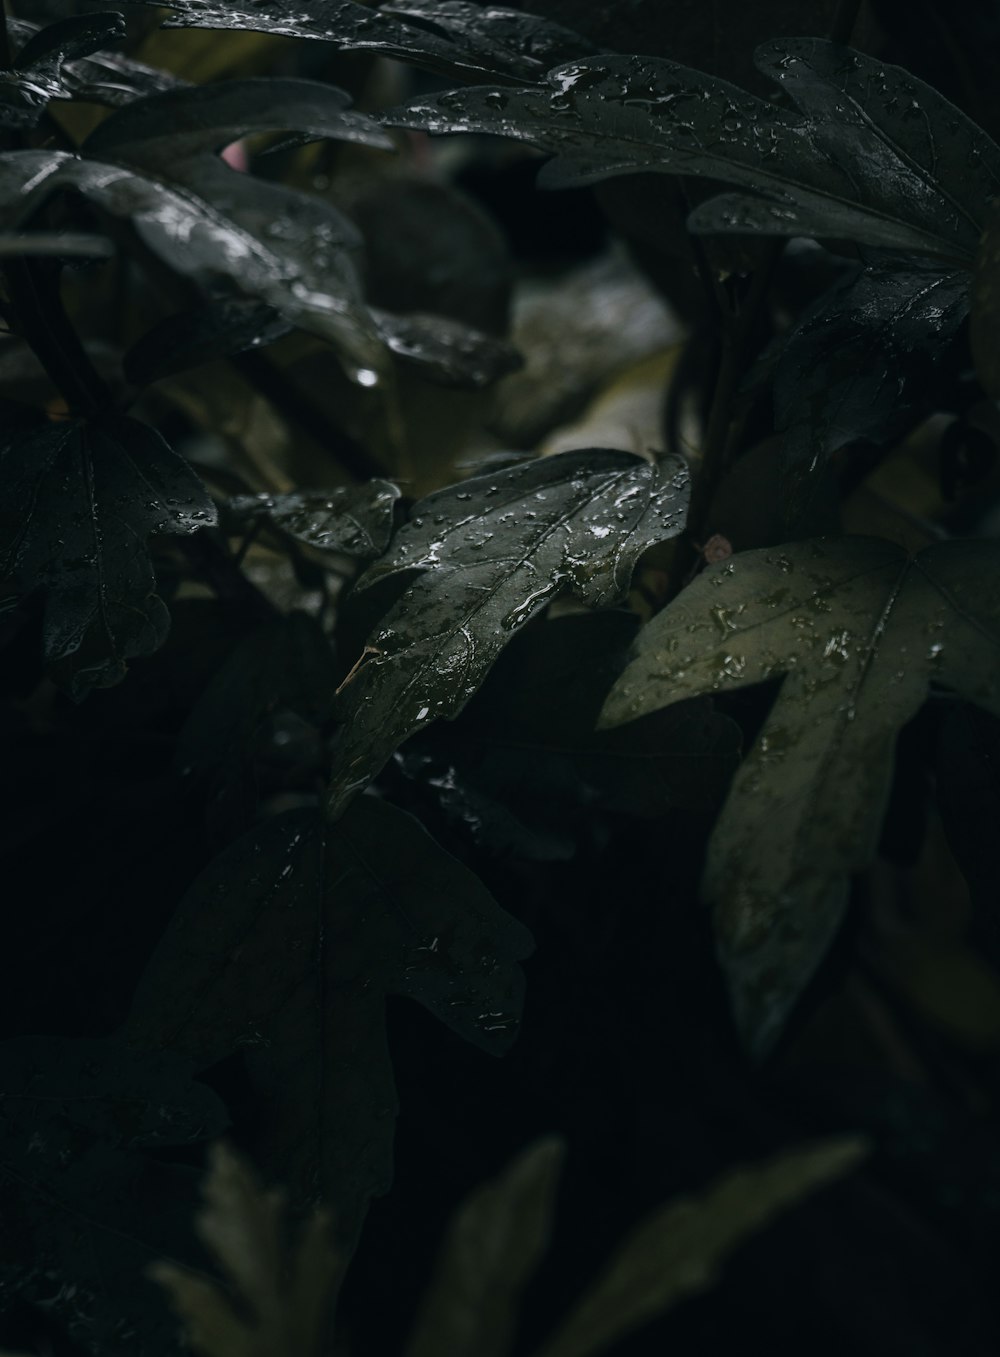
(84, 1211)
(447, 352)
(492, 552)
(968, 787)
(80, 499)
(862, 361)
(859, 630)
(984, 327)
(38, 76)
(286, 949)
(354, 520)
(449, 37)
(872, 154)
(64, 245)
(101, 77)
(286, 664)
(190, 338)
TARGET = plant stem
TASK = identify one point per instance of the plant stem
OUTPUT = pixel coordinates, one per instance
(41, 321)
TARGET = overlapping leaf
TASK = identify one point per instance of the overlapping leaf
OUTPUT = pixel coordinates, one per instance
(859, 630)
(153, 163)
(84, 1210)
(492, 552)
(448, 36)
(862, 362)
(354, 520)
(872, 153)
(286, 948)
(100, 77)
(80, 498)
(38, 75)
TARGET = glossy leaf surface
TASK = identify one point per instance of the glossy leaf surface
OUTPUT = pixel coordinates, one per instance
(38, 75)
(84, 1209)
(286, 949)
(446, 351)
(859, 630)
(109, 78)
(871, 153)
(355, 520)
(80, 499)
(493, 551)
(449, 36)
(862, 362)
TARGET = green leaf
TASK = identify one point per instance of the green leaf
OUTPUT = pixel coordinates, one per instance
(80, 498)
(859, 630)
(863, 361)
(84, 1209)
(678, 1251)
(353, 520)
(446, 36)
(873, 154)
(210, 222)
(493, 551)
(494, 1244)
(99, 77)
(38, 76)
(286, 949)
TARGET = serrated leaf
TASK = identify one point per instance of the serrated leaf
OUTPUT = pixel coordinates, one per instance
(873, 154)
(678, 1251)
(859, 630)
(447, 36)
(862, 361)
(100, 77)
(288, 249)
(283, 1293)
(353, 520)
(80, 499)
(38, 76)
(494, 1244)
(493, 551)
(286, 949)
(83, 1209)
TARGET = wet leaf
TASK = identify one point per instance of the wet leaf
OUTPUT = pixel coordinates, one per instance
(494, 1244)
(872, 154)
(445, 351)
(84, 1209)
(860, 630)
(678, 1251)
(80, 499)
(984, 327)
(38, 75)
(863, 361)
(353, 520)
(286, 948)
(283, 1292)
(493, 551)
(288, 249)
(446, 36)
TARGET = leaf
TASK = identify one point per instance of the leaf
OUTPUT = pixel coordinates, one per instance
(873, 154)
(863, 361)
(492, 552)
(80, 497)
(283, 1293)
(678, 1251)
(859, 630)
(446, 351)
(38, 76)
(353, 520)
(206, 220)
(447, 36)
(286, 948)
(187, 339)
(66, 245)
(967, 781)
(83, 1207)
(494, 1244)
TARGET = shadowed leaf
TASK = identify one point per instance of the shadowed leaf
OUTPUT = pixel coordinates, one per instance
(859, 630)
(38, 75)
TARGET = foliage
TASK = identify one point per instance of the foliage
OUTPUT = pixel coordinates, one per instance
(574, 611)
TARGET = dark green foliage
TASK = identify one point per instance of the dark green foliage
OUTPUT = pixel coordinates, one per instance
(327, 687)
